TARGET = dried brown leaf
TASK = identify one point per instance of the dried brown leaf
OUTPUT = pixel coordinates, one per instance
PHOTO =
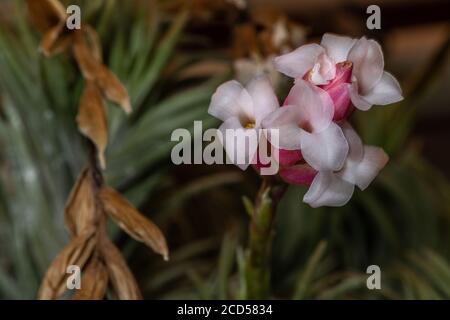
(112, 88)
(91, 119)
(51, 36)
(77, 252)
(122, 280)
(94, 281)
(80, 211)
(46, 14)
(61, 44)
(93, 69)
(84, 56)
(93, 42)
(132, 222)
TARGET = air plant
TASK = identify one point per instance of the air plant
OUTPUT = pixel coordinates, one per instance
(400, 223)
(319, 148)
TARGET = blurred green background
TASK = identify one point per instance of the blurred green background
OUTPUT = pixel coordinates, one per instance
(171, 55)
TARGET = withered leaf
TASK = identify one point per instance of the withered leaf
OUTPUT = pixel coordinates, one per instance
(46, 14)
(61, 44)
(77, 252)
(49, 39)
(91, 119)
(93, 69)
(112, 88)
(80, 211)
(132, 222)
(93, 42)
(94, 281)
(122, 280)
(84, 56)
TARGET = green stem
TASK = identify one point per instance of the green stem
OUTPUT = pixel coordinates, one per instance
(257, 272)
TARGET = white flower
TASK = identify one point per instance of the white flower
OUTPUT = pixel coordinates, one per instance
(306, 124)
(317, 64)
(335, 188)
(242, 111)
(370, 83)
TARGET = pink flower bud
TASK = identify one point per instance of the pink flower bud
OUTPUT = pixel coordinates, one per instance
(301, 174)
(289, 157)
(285, 158)
(339, 92)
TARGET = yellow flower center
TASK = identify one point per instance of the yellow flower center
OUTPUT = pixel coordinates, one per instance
(249, 125)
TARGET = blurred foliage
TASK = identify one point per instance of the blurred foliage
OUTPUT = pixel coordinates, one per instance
(401, 223)
(41, 149)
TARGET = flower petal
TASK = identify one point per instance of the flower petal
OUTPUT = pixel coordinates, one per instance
(325, 150)
(386, 91)
(263, 96)
(337, 47)
(364, 171)
(356, 148)
(341, 100)
(224, 101)
(357, 100)
(285, 120)
(368, 64)
(323, 71)
(315, 106)
(240, 150)
(301, 174)
(298, 62)
(328, 190)
(246, 108)
(339, 92)
(343, 75)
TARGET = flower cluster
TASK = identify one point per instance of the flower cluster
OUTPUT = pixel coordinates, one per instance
(316, 144)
